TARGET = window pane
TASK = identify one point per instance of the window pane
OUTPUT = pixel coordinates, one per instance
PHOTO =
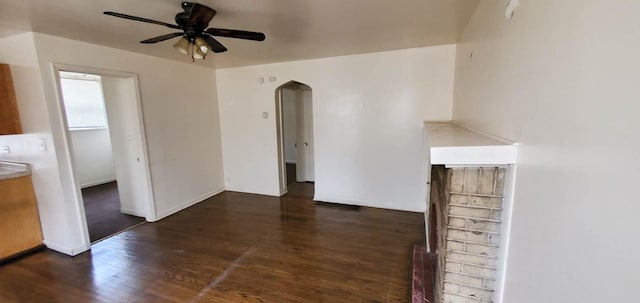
(84, 103)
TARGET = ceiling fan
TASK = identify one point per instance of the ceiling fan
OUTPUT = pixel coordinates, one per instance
(197, 40)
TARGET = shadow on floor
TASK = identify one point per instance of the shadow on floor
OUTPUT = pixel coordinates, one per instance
(102, 208)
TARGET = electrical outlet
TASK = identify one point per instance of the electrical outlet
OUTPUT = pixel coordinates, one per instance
(5, 149)
(265, 115)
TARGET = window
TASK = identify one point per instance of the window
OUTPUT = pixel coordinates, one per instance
(83, 101)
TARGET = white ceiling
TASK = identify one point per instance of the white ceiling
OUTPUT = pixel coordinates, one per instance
(295, 29)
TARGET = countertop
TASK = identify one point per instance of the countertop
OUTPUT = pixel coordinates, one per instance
(9, 170)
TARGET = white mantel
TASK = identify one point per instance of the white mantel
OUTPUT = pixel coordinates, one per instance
(452, 144)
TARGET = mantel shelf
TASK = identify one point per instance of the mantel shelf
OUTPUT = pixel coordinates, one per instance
(451, 144)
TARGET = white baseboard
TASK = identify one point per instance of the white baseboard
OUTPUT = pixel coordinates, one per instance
(133, 212)
(276, 194)
(105, 181)
(290, 161)
(362, 203)
(66, 250)
(187, 204)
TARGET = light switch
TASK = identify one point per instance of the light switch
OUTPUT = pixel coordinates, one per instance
(6, 149)
(43, 145)
(265, 115)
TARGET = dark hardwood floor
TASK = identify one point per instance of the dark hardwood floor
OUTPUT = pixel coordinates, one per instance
(300, 189)
(234, 248)
(291, 173)
(102, 208)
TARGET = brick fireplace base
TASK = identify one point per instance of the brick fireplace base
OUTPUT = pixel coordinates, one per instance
(424, 273)
(468, 216)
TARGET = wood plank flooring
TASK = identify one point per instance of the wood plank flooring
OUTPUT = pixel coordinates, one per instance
(102, 209)
(234, 248)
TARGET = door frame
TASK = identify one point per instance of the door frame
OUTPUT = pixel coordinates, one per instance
(150, 213)
(282, 169)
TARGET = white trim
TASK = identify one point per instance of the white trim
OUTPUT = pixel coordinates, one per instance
(66, 250)
(291, 161)
(390, 206)
(237, 190)
(99, 182)
(282, 170)
(92, 128)
(187, 204)
(132, 212)
(474, 155)
(65, 156)
(505, 233)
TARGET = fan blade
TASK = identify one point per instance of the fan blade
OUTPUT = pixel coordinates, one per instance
(161, 38)
(232, 33)
(200, 15)
(119, 15)
(216, 46)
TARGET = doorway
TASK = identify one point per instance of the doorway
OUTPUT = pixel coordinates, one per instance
(103, 127)
(294, 109)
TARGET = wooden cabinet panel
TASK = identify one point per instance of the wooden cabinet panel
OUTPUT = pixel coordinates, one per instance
(19, 221)
(9, 116)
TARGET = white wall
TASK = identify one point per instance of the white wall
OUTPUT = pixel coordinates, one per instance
(561, 78)
(368, 116)
(92, 156)
(59, 227)
(180, 113)
(289, 119)
(121, 105)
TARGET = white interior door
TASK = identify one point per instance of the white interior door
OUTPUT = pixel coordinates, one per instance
(126, 139)
(300, 150)
(308, 158)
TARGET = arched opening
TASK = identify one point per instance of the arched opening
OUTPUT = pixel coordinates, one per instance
(294, 124)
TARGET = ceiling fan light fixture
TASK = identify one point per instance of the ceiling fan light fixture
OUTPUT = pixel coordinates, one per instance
(183, 46)
(196, 39)
(197, 53)
(202, 46)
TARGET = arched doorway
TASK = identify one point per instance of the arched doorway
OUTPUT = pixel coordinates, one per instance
(294, 119)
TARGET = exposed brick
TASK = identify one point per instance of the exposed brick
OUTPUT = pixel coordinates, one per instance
(481, 250)
(457, 180)
(451, 298)
(455, 246)
(470, 212)
(486, 201)
(496, 215)
(467, 280)
(471, 259)
(494, 239)
(500, 179)
(482, 225)
(479, 271)
(460, 235)
(459, 199)
(471, 180)
(453, 267)
(457, 222)
(469, 256)
(489, 284)
(476, 292)
(487, 176)
(452, 288)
